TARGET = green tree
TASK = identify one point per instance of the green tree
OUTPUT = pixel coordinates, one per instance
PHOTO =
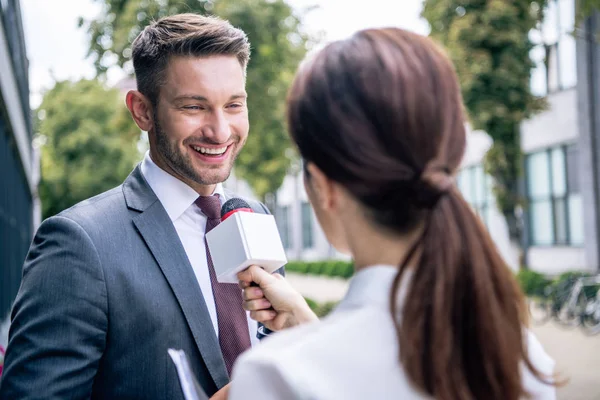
(489, 43)
(587, 7)
(89, 147)
(278, 45)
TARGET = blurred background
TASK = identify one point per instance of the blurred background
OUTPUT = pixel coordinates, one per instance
(530, 73)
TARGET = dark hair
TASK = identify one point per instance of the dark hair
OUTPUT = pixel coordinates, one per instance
(183, 35)
(381, 113)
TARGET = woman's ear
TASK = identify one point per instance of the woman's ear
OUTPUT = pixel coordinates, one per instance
(322, 188)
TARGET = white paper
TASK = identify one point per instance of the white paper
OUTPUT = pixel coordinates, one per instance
(189, 385)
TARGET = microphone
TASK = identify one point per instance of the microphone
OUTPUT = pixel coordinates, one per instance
(244, 238)
(234, 205)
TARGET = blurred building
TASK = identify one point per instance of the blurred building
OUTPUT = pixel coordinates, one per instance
(555, 175)
(18, 169)
(562, 171)
(552, 220)
(301, 234)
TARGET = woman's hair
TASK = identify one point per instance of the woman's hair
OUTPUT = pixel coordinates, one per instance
(381, 113)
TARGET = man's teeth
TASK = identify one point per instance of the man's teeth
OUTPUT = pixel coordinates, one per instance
(204, 150)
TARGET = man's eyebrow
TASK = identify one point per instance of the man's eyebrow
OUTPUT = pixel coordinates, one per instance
(236, 96)
(190, 97)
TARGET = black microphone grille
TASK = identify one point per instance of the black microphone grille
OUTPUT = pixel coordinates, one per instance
(233, 204)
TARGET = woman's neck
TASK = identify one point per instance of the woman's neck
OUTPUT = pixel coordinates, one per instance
(372, 245)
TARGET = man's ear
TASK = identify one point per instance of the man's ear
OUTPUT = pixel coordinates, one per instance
(141, 109)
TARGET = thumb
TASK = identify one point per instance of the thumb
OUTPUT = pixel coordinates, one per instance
(256, 274)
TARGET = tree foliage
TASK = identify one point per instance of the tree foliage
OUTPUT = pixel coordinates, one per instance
(90, 146)
(278, 45)
(587, 8)
(489, 43)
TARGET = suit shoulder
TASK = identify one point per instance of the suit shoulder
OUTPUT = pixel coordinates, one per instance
(96, 207)
(257, 206)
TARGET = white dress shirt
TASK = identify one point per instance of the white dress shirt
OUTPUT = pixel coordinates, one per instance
(178, 200)
(351, 354)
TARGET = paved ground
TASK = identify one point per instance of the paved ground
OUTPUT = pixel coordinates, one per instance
(577, 356)
(317, 288)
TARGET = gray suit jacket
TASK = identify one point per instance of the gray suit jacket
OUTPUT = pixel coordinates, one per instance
(107, 288)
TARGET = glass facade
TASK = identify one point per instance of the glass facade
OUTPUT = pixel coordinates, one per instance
(307, 226)
(554, 52)
(554, 198)
(476, 187)
(283, 223)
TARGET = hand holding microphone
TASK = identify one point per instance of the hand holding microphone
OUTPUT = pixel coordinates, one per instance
(274, 303)
(244, 238)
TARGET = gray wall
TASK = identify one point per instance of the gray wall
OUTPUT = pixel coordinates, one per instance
(16, 155)
(588, 88)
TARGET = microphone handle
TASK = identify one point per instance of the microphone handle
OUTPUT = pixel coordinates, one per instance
(262, 331)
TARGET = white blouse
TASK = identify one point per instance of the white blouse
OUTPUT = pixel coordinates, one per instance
(351, 354)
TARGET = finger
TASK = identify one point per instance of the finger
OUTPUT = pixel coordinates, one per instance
(222, 394)
(243, 284)
(256, 274)
(263, 315)
(256, 305)
(245, 275)
(252, 293)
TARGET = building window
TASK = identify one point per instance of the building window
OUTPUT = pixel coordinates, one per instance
(555, 215)
(476, 187)
(307, 226)
(554, 54)
(539, 74)
(283, 222)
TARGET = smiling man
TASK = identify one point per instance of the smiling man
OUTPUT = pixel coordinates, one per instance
(114, 282)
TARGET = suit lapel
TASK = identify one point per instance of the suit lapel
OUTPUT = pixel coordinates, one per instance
(160, 236)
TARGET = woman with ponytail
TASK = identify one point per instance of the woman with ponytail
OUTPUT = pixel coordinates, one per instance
(432, 311)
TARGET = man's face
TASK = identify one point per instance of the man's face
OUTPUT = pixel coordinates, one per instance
(201, 120)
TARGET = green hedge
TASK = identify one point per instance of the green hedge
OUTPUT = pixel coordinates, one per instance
(532, 283)
(331, 268)
(539, 285)
(321, 309)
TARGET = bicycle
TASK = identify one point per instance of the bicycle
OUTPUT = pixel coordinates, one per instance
(583, 306)
(549, 304)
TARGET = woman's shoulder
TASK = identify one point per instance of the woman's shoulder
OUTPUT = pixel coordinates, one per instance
(350, 354)
(544, 364)
(288, 358)
(336, 330)
(298, 339)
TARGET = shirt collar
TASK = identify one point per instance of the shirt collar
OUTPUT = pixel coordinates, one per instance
(372, 286)
(175, 195)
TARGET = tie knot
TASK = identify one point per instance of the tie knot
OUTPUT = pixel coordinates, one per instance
(210, 206)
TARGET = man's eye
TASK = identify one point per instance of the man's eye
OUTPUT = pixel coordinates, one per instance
(193, 107)
(236, 105)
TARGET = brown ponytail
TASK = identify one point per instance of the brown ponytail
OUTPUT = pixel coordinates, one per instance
(381, 113)
(461, 324)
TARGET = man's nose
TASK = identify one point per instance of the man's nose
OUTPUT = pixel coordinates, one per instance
(218, 130)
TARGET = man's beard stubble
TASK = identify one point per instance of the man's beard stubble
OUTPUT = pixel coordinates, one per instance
(181, 163)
